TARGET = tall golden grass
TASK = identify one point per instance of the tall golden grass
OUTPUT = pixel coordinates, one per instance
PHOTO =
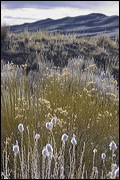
(80, 107)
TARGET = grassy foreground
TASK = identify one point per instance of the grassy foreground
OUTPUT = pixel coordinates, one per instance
(59, 106)
(85, 106)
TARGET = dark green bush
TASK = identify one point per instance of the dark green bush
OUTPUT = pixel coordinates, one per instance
(4, 32)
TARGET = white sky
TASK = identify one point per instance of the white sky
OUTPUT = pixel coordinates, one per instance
(23, 15)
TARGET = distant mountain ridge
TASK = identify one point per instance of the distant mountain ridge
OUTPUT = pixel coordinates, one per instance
(84, 25)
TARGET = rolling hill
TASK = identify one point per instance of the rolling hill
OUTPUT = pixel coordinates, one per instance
(84, 25)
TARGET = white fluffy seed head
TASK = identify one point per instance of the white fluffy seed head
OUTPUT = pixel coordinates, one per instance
(49, 148)
(20, 127)
(49, 125)
(15, 148)
(64, 137)
(73, 141)
(116, 173)
(53, 120)
(94, 150)
(103, 155)
(37, 136)
(45, 152)
(112, 146)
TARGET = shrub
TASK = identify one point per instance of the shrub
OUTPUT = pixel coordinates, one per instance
(104, 41)
(4, 32)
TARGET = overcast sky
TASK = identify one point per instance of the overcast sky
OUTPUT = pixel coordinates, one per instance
(19, 12)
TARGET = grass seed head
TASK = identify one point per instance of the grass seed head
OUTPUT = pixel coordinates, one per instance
(64, 137)
(116, 173)
(20, 127)
(103, 155)
(49, 125)
(112, 146)
(73, 141)
(94, 151)
(37, 136)
(15, 148)
(45, 152)
(50, 150)
(53, 121)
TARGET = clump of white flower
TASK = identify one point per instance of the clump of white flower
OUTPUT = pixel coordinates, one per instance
(73, 141)
(16, 149)
(45, 152)
(37, 136)
(103, 155)
(49, 125)
(116, 173)
(112, 146)
(20, 127)
(53, 120)
(64, 137)
(94, 150)
(50, 150)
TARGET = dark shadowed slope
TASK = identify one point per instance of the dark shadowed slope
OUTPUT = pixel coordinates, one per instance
(85, 25)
